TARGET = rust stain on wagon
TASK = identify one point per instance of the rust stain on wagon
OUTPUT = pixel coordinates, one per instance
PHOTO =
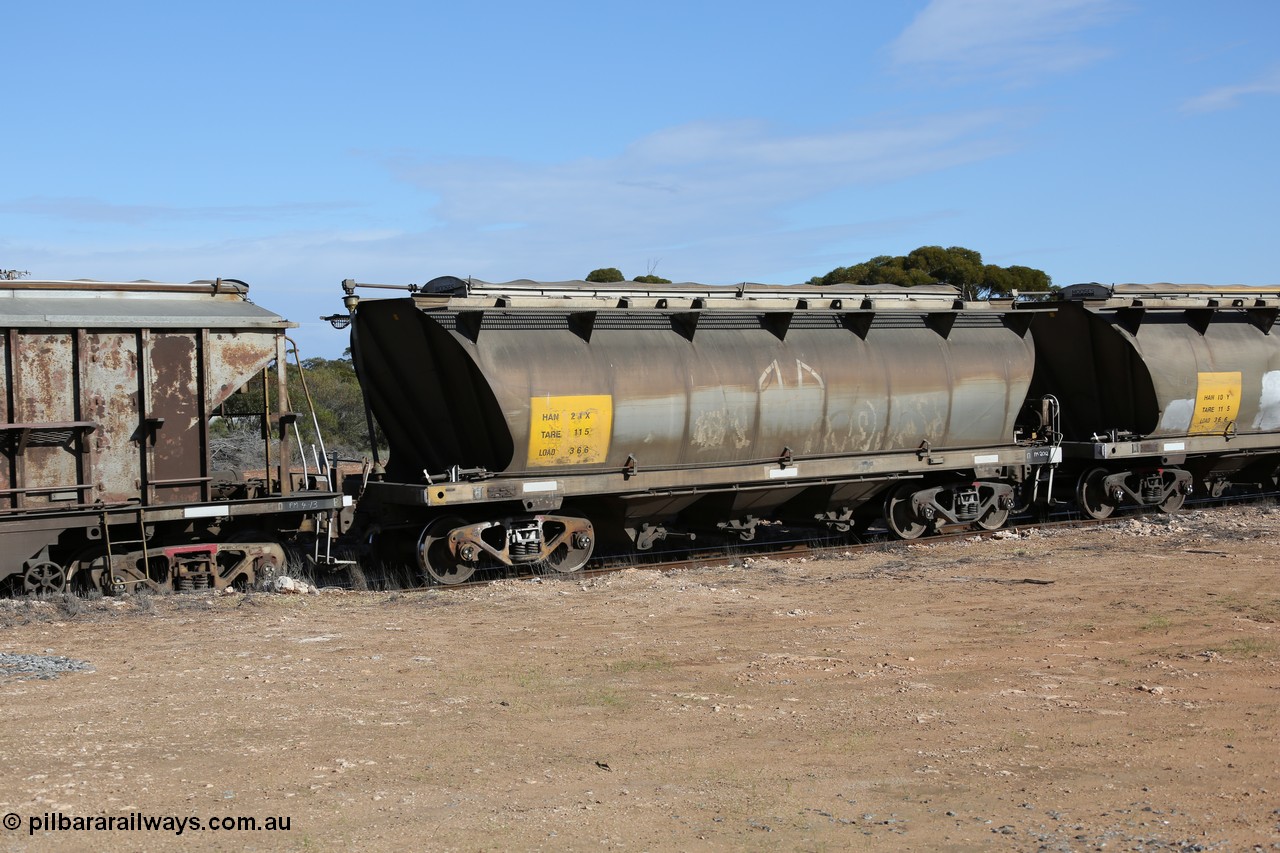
(44, 391)
(234, 359)
(111, 370)
(174, 418)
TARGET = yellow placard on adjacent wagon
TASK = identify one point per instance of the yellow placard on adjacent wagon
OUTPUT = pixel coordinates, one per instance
(1217, 402)
(569, 430)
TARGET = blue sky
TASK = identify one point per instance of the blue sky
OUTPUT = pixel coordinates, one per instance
(295, 144)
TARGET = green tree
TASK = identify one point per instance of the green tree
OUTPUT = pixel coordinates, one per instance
(882, 269)
(1029, 280)
(649, 277)
(957, 266)
(335, 394)
(606, 275)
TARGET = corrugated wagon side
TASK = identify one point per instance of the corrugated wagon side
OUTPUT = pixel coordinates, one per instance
(527, 420)
(1166, 390)
(106, 478)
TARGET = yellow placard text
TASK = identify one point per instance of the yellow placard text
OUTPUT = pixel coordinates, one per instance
(1217, 402)
(569, 430)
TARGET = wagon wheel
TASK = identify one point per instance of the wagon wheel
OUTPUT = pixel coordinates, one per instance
(1174, 502)
(899, 515)
(434, 556)
(44, 578)
(573, 553)
(90, 570)
(994, 519)
(1091, 495)
(285, 561)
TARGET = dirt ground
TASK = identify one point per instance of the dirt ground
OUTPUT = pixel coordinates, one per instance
(1115, 688)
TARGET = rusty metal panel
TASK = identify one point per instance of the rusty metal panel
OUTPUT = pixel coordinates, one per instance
(44, 392)
(233, 359)
(111, 398)
(174, 418)
(7, 457)
(108, 386)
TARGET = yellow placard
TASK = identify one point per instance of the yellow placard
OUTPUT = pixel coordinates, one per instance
(569, 430)
(1217, 402)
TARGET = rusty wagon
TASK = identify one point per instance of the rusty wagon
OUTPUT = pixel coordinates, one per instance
(106, 480)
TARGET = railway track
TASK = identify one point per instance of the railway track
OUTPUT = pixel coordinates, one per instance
(787, 546)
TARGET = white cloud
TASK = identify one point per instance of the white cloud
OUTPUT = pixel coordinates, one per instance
(1013, 39)
(693, 184)
(1229, 97)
